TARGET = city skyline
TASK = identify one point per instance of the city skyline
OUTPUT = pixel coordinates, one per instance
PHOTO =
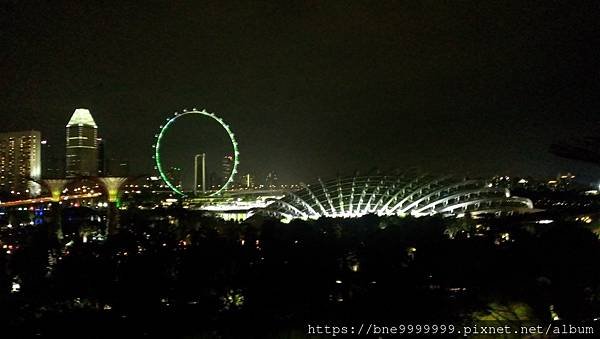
(103, 165)
(108, 161)
(223, 169)
(360, 87)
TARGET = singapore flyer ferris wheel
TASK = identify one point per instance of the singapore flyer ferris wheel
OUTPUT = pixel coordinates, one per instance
(165, 128)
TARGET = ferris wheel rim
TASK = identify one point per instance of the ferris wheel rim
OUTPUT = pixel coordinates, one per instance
(164, 128)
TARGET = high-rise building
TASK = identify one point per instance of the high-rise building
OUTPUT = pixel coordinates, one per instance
(82, 144)
(102, 161)
(272, 181)
(53, 161)
(174, 176)
(227, 166)
(20, 160)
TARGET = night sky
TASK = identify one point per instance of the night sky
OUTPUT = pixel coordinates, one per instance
(315, 88)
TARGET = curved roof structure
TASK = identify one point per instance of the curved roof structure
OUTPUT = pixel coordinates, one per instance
(415, 195)
(82, 116)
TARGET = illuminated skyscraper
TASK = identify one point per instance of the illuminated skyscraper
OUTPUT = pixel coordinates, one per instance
(272, 181)
(82, 144)
(20, 159)
(227, 167)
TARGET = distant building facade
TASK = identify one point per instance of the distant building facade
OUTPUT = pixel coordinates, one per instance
(20, 160)
(227, 167)
(102, 161)
(272, 180)
(53, 164)
(82, 145)
(175, 177)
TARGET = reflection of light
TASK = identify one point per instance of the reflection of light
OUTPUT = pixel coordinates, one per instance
(586, 219)
(545, 221)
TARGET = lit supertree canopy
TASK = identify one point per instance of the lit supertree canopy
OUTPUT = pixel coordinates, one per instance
(415, 195)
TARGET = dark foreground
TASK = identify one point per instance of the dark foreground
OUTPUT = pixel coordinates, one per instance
(203, 278)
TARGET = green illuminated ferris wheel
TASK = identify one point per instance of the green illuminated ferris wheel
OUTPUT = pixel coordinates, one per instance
(165, 128)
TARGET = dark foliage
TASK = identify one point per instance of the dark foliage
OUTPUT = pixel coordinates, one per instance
(204, 277)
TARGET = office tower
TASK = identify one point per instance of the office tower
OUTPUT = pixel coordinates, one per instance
(227, 166)
(82, 145)
(20, 160)
(174, 176)
(53, 161)
(102, 161)
(272, 181)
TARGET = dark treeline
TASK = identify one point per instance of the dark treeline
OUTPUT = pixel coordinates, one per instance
(202, 277)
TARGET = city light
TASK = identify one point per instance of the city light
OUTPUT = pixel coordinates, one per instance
(353, 197)
(162, 133)
(409, 170)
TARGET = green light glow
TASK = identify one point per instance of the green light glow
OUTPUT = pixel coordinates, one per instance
(55, 186)
(56, 196)
(163, 130)
(113, 187)
(113, 195)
